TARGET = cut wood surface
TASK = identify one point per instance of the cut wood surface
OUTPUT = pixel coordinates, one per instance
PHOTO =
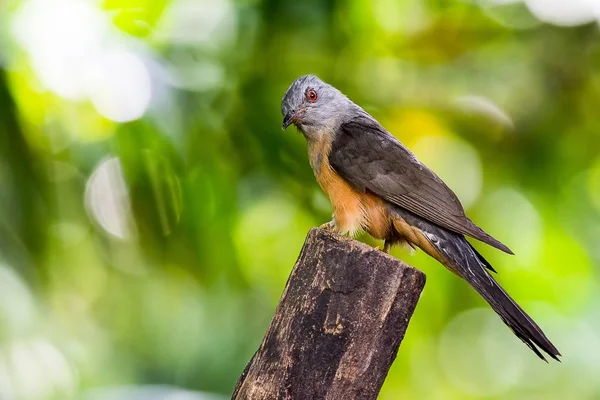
(338, 325)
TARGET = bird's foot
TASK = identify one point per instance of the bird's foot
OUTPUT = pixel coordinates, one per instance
(329, 226)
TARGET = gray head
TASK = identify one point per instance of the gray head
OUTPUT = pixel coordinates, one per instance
(315, 107)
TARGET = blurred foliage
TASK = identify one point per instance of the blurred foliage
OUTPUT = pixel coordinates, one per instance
(151, 208)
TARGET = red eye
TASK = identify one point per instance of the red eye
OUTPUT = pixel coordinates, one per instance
(311, 95)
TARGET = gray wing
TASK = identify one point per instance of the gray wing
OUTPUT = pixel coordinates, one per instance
(369, 158)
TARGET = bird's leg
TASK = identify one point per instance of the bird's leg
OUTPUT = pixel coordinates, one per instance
(329, 226)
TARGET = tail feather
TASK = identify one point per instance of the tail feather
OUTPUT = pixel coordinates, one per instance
(483, 260)
(517, 320)
(466, 262)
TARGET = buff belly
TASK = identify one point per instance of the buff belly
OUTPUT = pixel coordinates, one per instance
(355, 211)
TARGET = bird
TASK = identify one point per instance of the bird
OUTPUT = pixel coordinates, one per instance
(377, 185)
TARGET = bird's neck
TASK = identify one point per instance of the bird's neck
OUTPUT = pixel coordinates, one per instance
(319, 147)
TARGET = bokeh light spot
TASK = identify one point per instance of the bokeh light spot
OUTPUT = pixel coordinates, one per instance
(198, 22)
(275, 223)
(483, 106)
(38, 370)
(563, 12)
(186, 73)
(119, 86)
(409, 16)
(17, 306)
(515, 221)
(107, 199)
(471, 349)
(61, 37)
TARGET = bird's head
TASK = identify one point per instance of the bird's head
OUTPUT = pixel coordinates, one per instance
(314, 106)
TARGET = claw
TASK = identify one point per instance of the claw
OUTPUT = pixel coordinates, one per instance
(328, 226)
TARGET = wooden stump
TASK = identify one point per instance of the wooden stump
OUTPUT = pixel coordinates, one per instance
(338, 325)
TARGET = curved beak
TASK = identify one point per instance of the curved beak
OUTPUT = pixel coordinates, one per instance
(289, 119)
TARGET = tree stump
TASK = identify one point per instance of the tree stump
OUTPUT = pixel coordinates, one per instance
(338, 325)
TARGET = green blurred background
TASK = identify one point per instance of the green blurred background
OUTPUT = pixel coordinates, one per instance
(151, 208)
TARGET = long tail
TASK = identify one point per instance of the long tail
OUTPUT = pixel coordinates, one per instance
(461, 258)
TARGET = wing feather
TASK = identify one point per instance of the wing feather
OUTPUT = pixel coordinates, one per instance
(370, 158)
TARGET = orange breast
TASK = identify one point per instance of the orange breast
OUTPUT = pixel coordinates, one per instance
(354, 211)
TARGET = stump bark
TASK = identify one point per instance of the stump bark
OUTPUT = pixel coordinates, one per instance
(338, 325)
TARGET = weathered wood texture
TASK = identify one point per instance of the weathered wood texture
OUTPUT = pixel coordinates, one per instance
(338, 326)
